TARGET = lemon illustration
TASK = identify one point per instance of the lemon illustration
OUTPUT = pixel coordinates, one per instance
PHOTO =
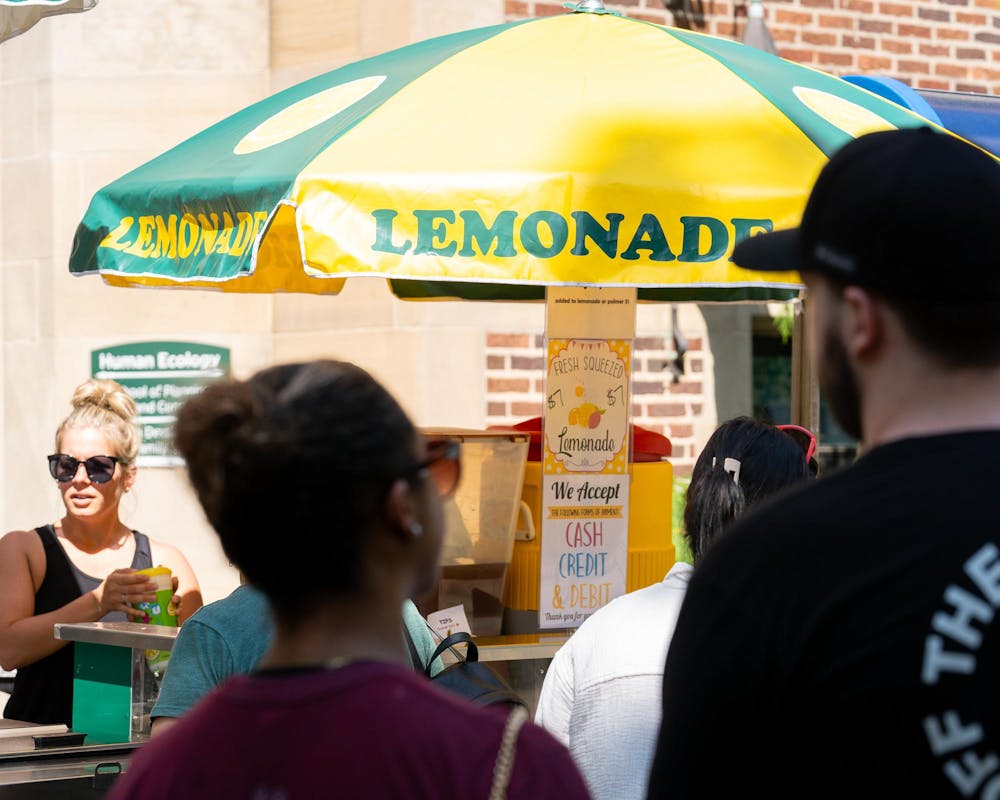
(583, 414)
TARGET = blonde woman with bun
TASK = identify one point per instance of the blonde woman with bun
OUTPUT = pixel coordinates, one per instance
(83, 567)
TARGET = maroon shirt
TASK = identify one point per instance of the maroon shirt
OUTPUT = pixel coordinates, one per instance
(370, 730)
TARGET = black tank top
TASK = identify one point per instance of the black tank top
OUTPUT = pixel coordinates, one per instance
(43, 691)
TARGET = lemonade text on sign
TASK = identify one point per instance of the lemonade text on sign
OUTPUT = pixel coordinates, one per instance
(181, 236)
(546, 234)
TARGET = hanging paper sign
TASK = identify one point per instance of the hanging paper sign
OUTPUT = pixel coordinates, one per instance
(585, 478)
(586, 422)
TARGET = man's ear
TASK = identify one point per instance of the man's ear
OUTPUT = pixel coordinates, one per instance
(862, 322)
(400, 510)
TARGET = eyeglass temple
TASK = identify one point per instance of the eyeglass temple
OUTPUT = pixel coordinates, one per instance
(813, 442)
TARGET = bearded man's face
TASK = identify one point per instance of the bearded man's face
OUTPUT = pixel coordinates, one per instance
(839, 385)
(837, 379)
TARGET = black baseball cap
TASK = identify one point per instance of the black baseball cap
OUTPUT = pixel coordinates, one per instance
(913, 213)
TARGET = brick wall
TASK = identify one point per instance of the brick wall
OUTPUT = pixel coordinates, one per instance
(515, 377)
(928, 44)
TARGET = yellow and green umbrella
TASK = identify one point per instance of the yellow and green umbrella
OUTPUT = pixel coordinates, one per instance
(581, 149)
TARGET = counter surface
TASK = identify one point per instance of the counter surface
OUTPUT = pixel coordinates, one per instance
(519, 647)
(17, 736)
(119, 634)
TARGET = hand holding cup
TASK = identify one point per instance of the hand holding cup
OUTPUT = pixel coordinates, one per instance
(176, 601)
(123, 587)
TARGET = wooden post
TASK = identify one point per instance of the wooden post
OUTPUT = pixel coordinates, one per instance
(805, 384)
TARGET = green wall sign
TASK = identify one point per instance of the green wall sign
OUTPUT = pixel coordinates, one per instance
(160, 376)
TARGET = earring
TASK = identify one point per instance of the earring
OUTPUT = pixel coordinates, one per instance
(416, 528)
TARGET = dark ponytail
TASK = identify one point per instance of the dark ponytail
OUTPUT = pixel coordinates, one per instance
(713, 502)
(291, 468)
(769, 460)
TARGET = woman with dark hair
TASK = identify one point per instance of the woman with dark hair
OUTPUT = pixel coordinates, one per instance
(602, 694)
(744, 462)
(329, 501)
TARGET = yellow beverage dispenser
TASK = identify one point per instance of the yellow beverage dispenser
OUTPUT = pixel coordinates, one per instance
(650, 547)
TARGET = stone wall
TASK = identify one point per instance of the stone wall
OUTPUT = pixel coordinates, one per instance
(86, 97)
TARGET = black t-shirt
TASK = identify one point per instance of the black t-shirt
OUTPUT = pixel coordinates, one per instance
(843, 640)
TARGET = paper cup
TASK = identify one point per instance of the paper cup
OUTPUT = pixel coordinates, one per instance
(158, 610)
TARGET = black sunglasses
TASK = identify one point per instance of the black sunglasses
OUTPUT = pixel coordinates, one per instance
(100, 469)
(443, 463)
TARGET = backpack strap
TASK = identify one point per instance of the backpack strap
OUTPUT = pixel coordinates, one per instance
(415, 661)
(460, 637)
(503, 768)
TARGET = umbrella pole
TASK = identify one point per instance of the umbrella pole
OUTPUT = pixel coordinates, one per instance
(805, 384)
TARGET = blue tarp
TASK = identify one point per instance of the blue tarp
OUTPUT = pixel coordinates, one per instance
(975, 117)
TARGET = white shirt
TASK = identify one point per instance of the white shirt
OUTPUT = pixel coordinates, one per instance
(602, 693)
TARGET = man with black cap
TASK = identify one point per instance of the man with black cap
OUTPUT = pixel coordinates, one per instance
(844, 641)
